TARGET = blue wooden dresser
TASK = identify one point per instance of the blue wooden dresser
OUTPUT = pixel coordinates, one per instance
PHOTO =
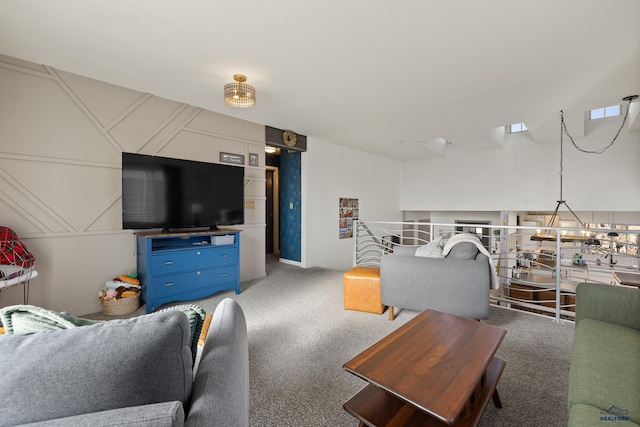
(187, 266)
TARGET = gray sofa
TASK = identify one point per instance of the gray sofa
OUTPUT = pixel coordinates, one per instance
(604, 379)
(136, 372)
(458, 284)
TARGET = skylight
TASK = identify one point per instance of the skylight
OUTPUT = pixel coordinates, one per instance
(601, 113)
(517, 127)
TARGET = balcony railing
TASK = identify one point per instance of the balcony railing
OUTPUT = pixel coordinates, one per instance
(538, 270)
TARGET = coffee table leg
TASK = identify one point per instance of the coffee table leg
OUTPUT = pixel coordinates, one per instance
(496, 399)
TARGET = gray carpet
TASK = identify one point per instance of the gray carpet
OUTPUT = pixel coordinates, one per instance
(300, 335)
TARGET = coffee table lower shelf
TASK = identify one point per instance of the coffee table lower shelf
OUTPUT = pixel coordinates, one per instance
(375, 407)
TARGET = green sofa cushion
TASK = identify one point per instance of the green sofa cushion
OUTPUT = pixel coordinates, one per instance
(605, 368)
(589, 416)
(613, 304)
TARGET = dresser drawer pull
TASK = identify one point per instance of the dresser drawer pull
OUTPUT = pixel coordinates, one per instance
(225, 256)
(169, 284)
(225, 274)
(169, 262)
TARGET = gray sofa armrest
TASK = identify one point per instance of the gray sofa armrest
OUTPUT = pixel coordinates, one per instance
(454, 286)
(613, 304)
(166, 414)
(220, 392)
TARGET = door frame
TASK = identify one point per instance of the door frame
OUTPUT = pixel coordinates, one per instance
(276, 208)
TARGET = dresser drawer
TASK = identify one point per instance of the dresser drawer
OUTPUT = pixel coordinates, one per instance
(183, 282)
(174, 262)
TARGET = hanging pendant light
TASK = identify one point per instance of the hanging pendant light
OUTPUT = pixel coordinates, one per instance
(540, 236)
(239, 94)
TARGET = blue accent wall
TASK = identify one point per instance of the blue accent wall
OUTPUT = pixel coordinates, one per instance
(290, 195)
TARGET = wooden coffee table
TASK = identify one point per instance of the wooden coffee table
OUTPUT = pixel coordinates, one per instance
(435, 370)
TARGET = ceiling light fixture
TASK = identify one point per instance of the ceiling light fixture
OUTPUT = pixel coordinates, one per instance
(563, 130)
(239, 94)
(269, 149)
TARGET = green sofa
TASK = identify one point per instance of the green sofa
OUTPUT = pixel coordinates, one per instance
(604, 379)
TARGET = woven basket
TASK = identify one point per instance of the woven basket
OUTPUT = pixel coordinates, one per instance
(116, 307)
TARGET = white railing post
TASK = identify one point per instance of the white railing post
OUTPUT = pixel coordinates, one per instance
(558, 276)
(370, 245)
(356, 242)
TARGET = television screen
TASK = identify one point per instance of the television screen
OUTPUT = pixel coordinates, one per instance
(160, 192)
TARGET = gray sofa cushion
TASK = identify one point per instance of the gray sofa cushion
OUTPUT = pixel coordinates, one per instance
(109, 365)
(433, 249)
(463, 250)
(167, 414)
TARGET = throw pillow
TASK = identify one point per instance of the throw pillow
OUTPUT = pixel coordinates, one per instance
(27, 319)
(463, 250)
(105, 366)
(433, 249)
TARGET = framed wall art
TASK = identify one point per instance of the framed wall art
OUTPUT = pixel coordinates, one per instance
(348, 211)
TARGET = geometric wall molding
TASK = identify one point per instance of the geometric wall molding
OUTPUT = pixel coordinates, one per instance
(81, 130)
(61, 139)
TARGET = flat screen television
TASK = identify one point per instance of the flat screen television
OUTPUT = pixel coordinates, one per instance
(174, 194)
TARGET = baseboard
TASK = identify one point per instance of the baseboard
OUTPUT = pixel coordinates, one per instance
(290, 262)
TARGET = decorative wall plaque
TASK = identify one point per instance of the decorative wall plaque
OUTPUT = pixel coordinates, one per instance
(237, 159)
(286, 139)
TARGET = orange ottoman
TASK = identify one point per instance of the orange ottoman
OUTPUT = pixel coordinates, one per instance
(362, 290)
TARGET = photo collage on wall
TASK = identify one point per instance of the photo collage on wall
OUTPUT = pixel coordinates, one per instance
(348, 212)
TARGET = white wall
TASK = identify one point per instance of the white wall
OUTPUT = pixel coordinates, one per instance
(524, 175)
(329, 172)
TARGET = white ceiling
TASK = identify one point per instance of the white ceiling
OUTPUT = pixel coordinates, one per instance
(396, 78)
